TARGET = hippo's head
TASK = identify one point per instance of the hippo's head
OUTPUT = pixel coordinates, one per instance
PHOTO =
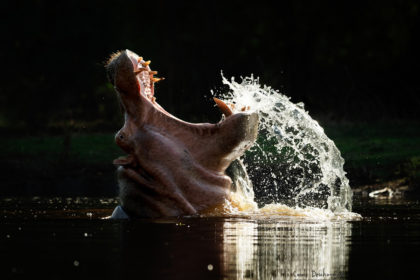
(172, 167)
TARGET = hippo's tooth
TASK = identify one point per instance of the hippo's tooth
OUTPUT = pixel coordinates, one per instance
(139, 59)
(223, 107)
(153, 72)
(146, 63)
(139, 70)
(155, 80)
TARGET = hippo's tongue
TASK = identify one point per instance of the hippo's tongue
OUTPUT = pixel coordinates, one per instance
(125, 161)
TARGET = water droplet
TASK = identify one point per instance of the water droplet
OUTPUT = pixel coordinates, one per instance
(210, 267)
(76, 263)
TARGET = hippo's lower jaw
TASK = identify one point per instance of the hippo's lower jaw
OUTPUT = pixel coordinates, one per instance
(173, 167)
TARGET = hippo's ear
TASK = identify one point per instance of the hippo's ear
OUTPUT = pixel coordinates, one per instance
(110, 65)
(120, 72)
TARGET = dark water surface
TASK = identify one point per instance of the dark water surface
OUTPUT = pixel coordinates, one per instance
(67, 239)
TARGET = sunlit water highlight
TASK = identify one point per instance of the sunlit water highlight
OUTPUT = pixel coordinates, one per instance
(297, 170)
(323, 246)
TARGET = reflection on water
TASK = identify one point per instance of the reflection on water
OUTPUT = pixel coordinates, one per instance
(67, 239)
(286, 250)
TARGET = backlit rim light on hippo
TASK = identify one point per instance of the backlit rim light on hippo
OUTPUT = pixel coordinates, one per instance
(175, 168)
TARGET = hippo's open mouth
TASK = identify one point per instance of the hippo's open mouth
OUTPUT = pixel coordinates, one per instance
(145, 77)
(173, 167)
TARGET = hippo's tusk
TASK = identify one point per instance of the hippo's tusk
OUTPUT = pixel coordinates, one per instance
(223, 107)
(153, 72)
(139, 59)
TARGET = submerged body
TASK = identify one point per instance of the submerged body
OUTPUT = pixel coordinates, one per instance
(173, 167)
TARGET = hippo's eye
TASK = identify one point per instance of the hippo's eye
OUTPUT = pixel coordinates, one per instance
(121, 136)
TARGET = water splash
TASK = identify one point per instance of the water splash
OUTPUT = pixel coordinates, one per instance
(293, 163)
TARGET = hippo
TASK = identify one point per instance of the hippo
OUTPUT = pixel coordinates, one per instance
(172, 167)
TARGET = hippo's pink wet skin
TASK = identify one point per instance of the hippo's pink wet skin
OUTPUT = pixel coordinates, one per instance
(173, 167)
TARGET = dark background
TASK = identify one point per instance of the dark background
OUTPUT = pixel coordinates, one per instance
(344, 60)
(350, 63)
(354, 64)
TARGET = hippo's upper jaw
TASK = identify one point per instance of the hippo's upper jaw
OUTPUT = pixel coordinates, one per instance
(173, 167)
